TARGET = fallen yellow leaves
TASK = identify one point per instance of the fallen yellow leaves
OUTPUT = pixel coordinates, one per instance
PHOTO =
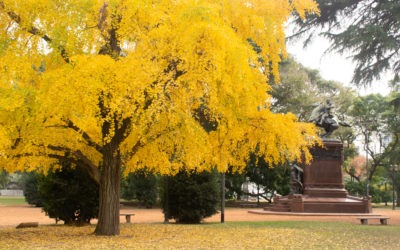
(233, 235)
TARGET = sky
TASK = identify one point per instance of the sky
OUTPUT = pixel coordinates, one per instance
(332, 66)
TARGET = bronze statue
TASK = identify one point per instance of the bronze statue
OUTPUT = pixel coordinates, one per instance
(296, 179)
(323, 117)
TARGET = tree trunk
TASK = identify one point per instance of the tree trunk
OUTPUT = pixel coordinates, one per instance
(108, 221)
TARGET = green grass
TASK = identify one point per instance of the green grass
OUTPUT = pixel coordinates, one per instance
(12, 200)
(230, 235)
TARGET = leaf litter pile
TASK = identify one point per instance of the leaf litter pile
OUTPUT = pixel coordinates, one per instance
(232, 235)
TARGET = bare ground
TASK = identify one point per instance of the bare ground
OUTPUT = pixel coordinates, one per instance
(11, 216)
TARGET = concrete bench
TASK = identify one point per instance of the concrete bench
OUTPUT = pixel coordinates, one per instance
(127, 216)
(364, 220)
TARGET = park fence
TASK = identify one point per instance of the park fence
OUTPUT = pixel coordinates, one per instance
(11, 192)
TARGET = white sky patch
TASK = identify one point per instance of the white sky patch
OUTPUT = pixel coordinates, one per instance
(332, 66)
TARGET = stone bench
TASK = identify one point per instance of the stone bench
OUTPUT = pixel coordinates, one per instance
(127, 216)
(364, 220)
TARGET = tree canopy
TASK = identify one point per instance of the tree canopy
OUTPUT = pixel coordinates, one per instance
(128, 83)
(378, 124)
(367, 29)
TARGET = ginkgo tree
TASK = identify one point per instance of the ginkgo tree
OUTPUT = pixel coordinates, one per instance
(159, 84)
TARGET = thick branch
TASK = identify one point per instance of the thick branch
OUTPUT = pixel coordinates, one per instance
(77, 158)
(351, 173)
(377, 160)
(134, 149)
(140, 143)
(91, 168)
(85, 136)
(93, 173)
(121, 133)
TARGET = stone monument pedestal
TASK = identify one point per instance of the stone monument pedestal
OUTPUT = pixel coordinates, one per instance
(323, 188)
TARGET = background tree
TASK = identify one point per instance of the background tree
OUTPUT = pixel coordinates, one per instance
(393, 117)
(270, 181)
(294, 92)
(372, 123)
(302, 88)
(368, 30)
(110, 83)
(233, 184)
(355, 168)
(394, 95)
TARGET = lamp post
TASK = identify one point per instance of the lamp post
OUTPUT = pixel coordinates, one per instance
(386, 199)
(166, 213)
(394, 171)
(223, 197)
(370, 123)
(366, 166)
(258, 185)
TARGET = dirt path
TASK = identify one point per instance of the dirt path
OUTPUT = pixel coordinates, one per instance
(13, 215)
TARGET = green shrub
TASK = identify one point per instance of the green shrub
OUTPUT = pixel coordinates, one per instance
(358, 189)
(189, 197)
(4, 178)
(70, 195)
(142, 186)
(30, 185)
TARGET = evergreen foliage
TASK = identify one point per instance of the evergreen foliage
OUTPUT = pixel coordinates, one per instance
(68, 194)
(4, 178)
(30, 183)
(233, 185)
(368, 29)
(190, 196)
(272, 180)
(142, 186)
(356, 188)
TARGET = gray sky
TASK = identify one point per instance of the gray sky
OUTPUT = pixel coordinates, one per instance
(332, 66)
